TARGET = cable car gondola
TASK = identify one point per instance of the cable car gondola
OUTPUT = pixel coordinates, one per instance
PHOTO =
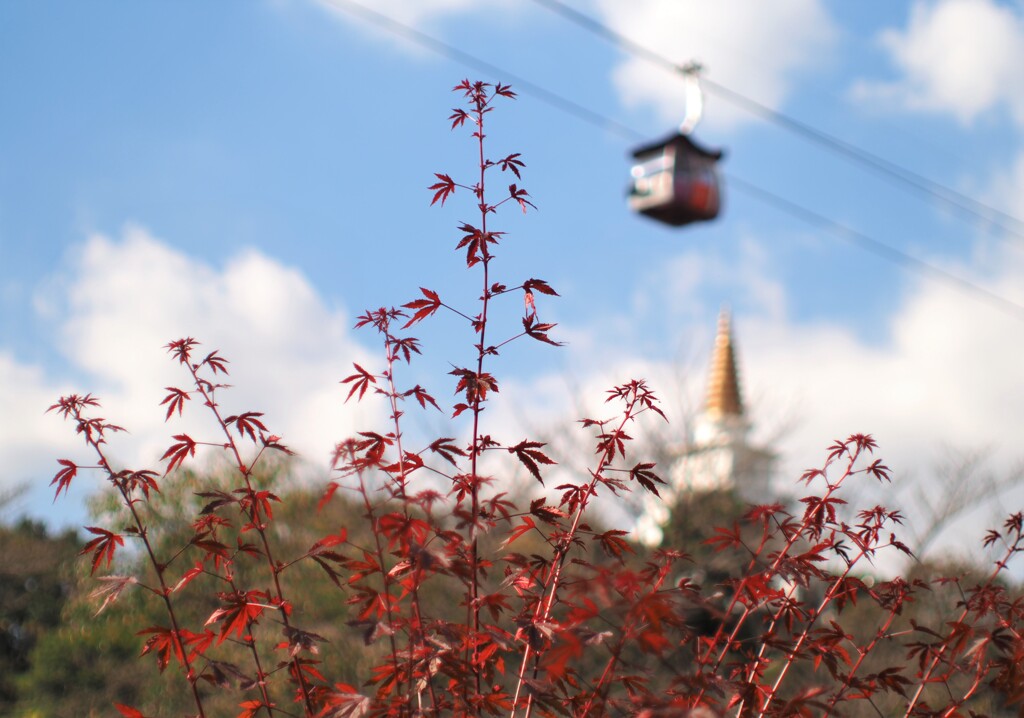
(674, 179)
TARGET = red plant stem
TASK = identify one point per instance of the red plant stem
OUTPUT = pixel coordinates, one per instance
(553, 579)
(250, 643)
(790, 542)
(473, 607)
(751, 566)
(165, 591)
(419, 627)
(416, 632)
(260, 529)
(739, 622)
(1000, 565)
(793, 652)
(603, 683)
(370, 514)
(393, 400)
(863, 653)
(865, 546)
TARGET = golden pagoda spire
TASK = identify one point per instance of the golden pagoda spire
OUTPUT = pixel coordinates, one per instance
(723, 383)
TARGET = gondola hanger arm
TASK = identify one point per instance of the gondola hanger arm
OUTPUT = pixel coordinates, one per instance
(694, 96)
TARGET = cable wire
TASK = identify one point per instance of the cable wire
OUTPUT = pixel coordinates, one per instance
(896, 173)
(879, 249)
(442, 48)
(863, 241)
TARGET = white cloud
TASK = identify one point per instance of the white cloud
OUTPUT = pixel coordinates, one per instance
(948, 377)
(124, 299)
(753, 48)
(964, 57)
(947, 373)
(26, 432)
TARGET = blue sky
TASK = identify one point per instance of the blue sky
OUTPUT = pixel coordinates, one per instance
(254, 174)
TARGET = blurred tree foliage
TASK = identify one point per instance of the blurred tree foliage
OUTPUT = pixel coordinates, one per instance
(61, 658)
(935, 592)
(81, 667)
(35, 581)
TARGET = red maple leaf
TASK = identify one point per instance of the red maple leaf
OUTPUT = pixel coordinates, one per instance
(443, 188)
(177, 453)
(238, 610)
(175, 401)
(424, 307)
(63, 477)
(103, 546)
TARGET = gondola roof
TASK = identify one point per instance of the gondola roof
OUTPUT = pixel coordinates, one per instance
(680, 139)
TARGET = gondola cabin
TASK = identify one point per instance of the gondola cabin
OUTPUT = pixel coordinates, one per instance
(675, 181)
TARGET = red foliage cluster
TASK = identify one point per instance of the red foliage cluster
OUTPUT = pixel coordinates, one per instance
(555, 630)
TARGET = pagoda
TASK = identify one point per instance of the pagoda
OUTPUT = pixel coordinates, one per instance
(719, 456)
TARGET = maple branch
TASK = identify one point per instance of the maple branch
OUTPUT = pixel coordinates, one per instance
(415, 633)
(95, 441)
(1011, 548)
(808, 523)
(603, 685)
(381, 557)
(473, 607)
(206, 389)
(551, 583)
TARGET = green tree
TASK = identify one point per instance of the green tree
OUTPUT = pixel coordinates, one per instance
(92, 660)
(35, 581)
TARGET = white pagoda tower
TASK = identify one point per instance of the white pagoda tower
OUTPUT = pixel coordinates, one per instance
(719, 455)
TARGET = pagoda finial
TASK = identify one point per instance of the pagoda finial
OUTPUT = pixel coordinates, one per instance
(723, 383)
